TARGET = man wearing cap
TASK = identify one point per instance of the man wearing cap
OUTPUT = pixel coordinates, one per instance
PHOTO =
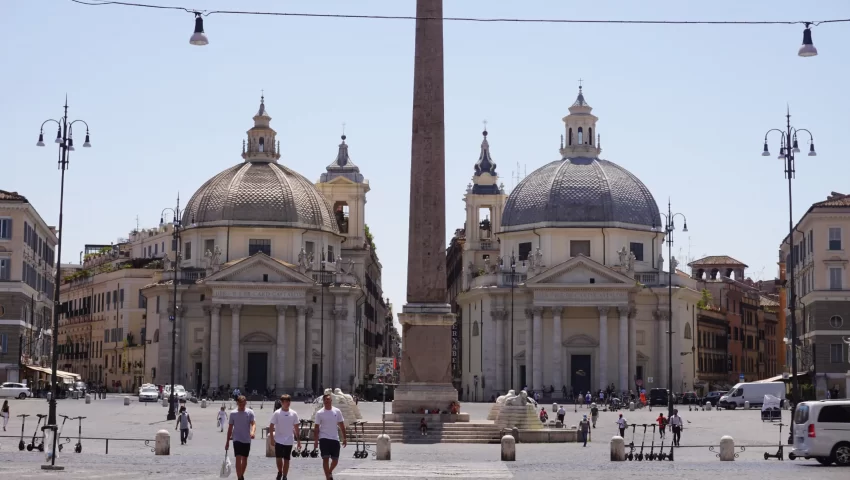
(584, 428)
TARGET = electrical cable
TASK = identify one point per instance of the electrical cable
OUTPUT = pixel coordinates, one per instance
(207, 13)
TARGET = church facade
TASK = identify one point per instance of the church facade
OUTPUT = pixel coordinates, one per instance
(563, 283)
(271, 285)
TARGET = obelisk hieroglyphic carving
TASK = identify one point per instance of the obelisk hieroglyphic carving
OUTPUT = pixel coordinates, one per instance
(426, 318)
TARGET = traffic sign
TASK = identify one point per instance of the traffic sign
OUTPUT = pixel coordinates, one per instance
(741, 377)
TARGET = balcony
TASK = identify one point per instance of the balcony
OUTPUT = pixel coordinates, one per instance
(649, 278)
(184, 277)
(499, 279)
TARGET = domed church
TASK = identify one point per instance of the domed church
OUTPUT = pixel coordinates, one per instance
(271, 276)
(563, 282)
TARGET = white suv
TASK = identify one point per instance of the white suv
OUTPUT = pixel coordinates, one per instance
(822, 432)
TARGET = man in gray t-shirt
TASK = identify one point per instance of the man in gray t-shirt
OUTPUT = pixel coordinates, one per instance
(242, 430)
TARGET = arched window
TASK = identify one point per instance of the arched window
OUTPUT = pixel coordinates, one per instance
(475, 329)
(580, 136)
(262, 144)
(835, 321)
(687, 331)
(570, 137)
(590, 134)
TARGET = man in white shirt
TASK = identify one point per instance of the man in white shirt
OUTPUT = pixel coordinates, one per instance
(622, 424)
(676, 423)
(284, 431)
(329, 423)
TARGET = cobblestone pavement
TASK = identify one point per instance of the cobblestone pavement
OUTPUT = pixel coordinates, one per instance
(201, 458)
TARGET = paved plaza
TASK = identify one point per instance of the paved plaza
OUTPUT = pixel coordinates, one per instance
(201, 458)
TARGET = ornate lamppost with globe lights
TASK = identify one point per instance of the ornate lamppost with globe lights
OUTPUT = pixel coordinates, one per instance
(172, 413)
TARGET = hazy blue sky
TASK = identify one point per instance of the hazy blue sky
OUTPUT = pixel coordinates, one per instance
(684, 108)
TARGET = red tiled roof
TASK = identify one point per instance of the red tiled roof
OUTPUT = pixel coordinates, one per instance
(834, 199)
(12, 196)
(717, 260)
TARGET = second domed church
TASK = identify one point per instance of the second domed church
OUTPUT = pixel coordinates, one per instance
(563, 283)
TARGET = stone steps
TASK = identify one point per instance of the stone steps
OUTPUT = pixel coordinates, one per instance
(437, 433)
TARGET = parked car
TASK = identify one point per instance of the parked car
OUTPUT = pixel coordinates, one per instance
(658, 396)
(148, 385)
(752, 392)
(14, 390)
(713, 397)
(179, 392)
(149, 394)
(822, 432)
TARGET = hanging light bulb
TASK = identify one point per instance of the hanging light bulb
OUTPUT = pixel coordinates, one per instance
(87, 143)
(812, 152)
(796, 148)
(40, 139)
(59, 135)
(199, 37)
(765, 152)
(808, 48)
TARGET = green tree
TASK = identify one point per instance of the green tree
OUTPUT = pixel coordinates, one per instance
(704, 301)
(370, 239)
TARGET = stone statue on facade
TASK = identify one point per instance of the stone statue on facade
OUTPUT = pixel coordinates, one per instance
(166, 263)
(660, 262)
(623, 253)
(538, 259)
(338, 264)
(631, 262)
(208, 259)
(673, 264)
(216, 258)
(487, 267)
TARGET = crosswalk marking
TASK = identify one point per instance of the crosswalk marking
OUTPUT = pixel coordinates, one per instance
(423, 470)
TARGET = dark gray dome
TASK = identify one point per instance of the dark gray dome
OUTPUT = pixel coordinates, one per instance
(580, 192)
(260, 194)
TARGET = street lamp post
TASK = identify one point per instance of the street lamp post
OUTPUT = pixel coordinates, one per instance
(669, 228)
(322, 327)
(513, 273)
(787, 148)
(65, 139)
(177, 222)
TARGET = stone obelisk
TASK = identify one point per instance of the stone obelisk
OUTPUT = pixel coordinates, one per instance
(426, 318)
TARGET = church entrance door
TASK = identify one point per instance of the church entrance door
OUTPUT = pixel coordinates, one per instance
(257, 371)
(581, 373)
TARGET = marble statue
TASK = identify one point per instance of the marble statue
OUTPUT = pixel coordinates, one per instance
(216, 258)
(486, 264)
(345, 397)
(302, 258)
(623, 253)
(166, 263)
(501, 399)
(538, 258)
(673, 264)
(351, 267)
(338, 264)
(631, 262)
(517, 400)
(660, 262)
(208, 259)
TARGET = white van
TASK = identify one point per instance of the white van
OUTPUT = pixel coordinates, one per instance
(752, 392)
(822, 432)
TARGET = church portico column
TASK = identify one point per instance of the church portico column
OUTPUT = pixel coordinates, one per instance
(235, 310)
(537, 349)
(280, 367)
(623, 346)
(603, 347)
(300, 347)
(557, 378)
(339, 315)
(499, 318)
(215, 340)
(661, 347)
(529, 358)
(632, 349)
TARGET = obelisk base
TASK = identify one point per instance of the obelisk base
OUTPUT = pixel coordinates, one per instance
(426, 368)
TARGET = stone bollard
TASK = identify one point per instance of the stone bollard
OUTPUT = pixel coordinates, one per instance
(555, 408)
(162, 445)
(88, 399)
(204, 403)
(164, 402)
(126, 401)
(515, 434)
(708, 405)
(508, 449)
(631, 406)
(618, 449)
(383, 448)
(746, 405)
(270, 446)
(727, 449)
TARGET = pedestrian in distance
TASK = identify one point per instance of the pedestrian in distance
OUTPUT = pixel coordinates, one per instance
(675, 422)
(284, 432)
(222, 419)
(584, 428)
(423, 427)
(594, 413)
(4, 412)
(184, 423)
(622, 424)
(329, 424)
(561, 414)
(544, 417)
(662, 422)
(242, 430)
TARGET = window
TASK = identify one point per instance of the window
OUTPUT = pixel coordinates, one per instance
(209, 245)
(108, 300)
(106, 336)
(835, 321)
(640, 337)
(122, 298)
(637, 249)
(5, 268)
(524, 251)
(580, 136)
(256, 245)
(309, 248)
(579, 247)
(811, 242)
(157, 304)
(4, 343)
(330, 253)
(836, 353)
(835, 275)
(735, 334)
(474, 329)
(5, 228)
(143, 302)
(687, 330)
(834, 414)
(187, 251)
(834, 238)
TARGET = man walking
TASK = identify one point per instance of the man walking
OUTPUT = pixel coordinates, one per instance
(561, 414)
(284, 431)
(594, 413)
(242, 430)
(584, 428)
(622, 424)
(329, 424)
(184, 423)
(675, 422)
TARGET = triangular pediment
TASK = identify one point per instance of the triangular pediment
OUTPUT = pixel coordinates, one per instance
(258, 337)
(253, 269)
(579, 271)
(581, 340)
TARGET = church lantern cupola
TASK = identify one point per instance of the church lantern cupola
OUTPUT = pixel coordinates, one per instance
(580, 128)
(485, 179)
(261, 145)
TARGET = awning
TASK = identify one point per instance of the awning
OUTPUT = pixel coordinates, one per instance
(779, 378)
(59, 373)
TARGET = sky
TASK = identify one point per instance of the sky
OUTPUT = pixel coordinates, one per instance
(684, 108)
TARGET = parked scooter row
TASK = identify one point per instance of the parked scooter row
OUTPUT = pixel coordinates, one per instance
(652, 454)
(37, 443)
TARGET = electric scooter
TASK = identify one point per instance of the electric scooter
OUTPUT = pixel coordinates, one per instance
(661, 455)
(21, 444)
(651, 455)
(32, 446)
(78, 448)
(631, 454)
(61, 427)
(306, 452)
(639, 456)
(296, 452)
(779, 453)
